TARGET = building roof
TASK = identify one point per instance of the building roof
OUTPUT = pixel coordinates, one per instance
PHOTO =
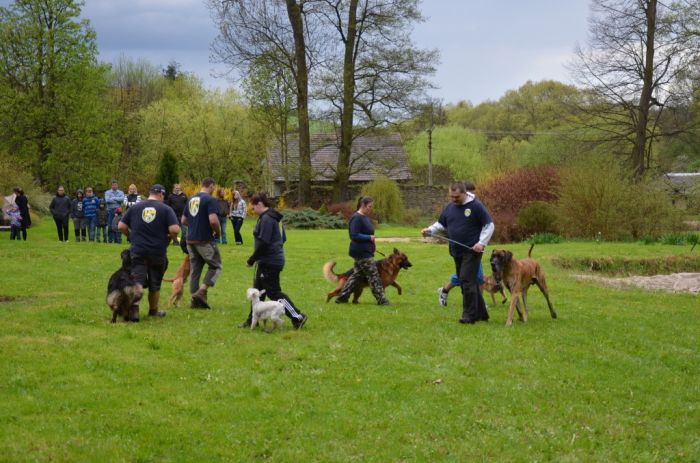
(372, 156)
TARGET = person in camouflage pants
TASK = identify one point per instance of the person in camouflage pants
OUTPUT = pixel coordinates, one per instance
(362, 250)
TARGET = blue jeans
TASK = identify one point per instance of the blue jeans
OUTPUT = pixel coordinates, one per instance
(222, 223)
(91, 223)
(114, 236)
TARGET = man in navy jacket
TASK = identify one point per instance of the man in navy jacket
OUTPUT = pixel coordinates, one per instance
(469, 227)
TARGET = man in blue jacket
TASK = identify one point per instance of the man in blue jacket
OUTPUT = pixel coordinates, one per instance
(469, 227)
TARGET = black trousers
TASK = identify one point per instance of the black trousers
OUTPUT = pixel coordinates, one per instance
(62, 228)
(268, 278)
(237, 223)
(473, 305)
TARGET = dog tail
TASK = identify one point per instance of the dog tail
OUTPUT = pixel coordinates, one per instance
(529, 253)
(329, 273)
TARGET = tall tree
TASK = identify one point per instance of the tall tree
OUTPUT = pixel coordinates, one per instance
(378, 75)
(251, 29)
(134, 84)
(271, 95)
(53, 114)
(638, 50)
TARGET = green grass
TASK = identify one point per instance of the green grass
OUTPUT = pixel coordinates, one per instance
(615, 378)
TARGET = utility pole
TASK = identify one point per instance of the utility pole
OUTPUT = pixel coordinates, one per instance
(430, 154)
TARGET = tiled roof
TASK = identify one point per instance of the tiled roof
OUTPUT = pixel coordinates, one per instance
(372, 156)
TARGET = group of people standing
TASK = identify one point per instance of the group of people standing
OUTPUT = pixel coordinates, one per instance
(18, 212)
(93, 216)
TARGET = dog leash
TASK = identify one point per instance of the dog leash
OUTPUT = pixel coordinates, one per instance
(455, 242)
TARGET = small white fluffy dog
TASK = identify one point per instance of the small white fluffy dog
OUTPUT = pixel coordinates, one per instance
(264, 310)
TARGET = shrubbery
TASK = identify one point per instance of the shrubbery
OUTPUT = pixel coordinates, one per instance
(596, 199)
(388, 205)
(508, 195)
(538, 217)
(309, 218)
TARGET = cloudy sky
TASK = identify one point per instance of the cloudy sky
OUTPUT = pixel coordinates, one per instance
(487, 46)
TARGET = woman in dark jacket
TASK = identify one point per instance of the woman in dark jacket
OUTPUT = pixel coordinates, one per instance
(78, 214)
(362, 250)
(60, 208)
(269, 258)
(23, 205)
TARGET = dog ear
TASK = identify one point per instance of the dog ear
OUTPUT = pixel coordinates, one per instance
(396, 251)
(509, 256)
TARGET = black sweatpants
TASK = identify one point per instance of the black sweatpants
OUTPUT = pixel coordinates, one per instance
(473, 305)
(268, 278)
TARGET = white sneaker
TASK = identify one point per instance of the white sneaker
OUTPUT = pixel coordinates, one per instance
(442, 296)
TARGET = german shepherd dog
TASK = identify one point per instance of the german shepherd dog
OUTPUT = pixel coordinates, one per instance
(388, 268)
(123, 292)
(178, 281)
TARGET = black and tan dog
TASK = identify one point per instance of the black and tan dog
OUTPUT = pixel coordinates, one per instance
(123, 294)
(388, 269)
(518, 275)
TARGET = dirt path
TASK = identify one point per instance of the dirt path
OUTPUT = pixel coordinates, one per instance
(675, 282)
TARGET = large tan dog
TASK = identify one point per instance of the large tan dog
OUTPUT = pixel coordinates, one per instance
(178, 281)
(518, 275)
(388, 268)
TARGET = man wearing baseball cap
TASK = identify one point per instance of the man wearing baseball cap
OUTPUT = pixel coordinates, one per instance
(150, 225)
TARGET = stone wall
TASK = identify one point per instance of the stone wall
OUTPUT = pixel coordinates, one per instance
(430, 200)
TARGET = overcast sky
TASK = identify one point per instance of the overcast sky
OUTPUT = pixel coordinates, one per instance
(486, 46)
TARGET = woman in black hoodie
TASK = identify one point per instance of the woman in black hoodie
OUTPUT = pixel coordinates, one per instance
(269, 257)
(60, 208)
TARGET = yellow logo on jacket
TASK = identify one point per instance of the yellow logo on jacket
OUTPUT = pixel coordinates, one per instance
(194, 206)
(467, 212)
(149, 214)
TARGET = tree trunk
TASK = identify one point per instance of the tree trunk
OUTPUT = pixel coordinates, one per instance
(640, 142)
(294, 12)
(342, 175)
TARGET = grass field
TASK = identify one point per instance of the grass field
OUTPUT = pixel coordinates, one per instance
(615, 378)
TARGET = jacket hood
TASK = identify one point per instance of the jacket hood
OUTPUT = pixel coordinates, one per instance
(274, 214)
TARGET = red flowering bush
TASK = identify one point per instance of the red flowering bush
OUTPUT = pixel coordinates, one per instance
(509, 194)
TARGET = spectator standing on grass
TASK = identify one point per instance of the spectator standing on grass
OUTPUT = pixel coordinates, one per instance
(149, 225)
(114, 225)
(78, 215)
(132, 197)
(23, 205)
(15, 221)
(60, 208)
(177, 201)
(224, 209)
(202, 221)
(469, 226)
(90, 203)
(102, 222)
(114, 197)
(268, 254)
(362, 250)
(238, 213)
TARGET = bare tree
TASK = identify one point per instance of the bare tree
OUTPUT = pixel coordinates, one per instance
(377, 73)
(638, 50)
(278, 31)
